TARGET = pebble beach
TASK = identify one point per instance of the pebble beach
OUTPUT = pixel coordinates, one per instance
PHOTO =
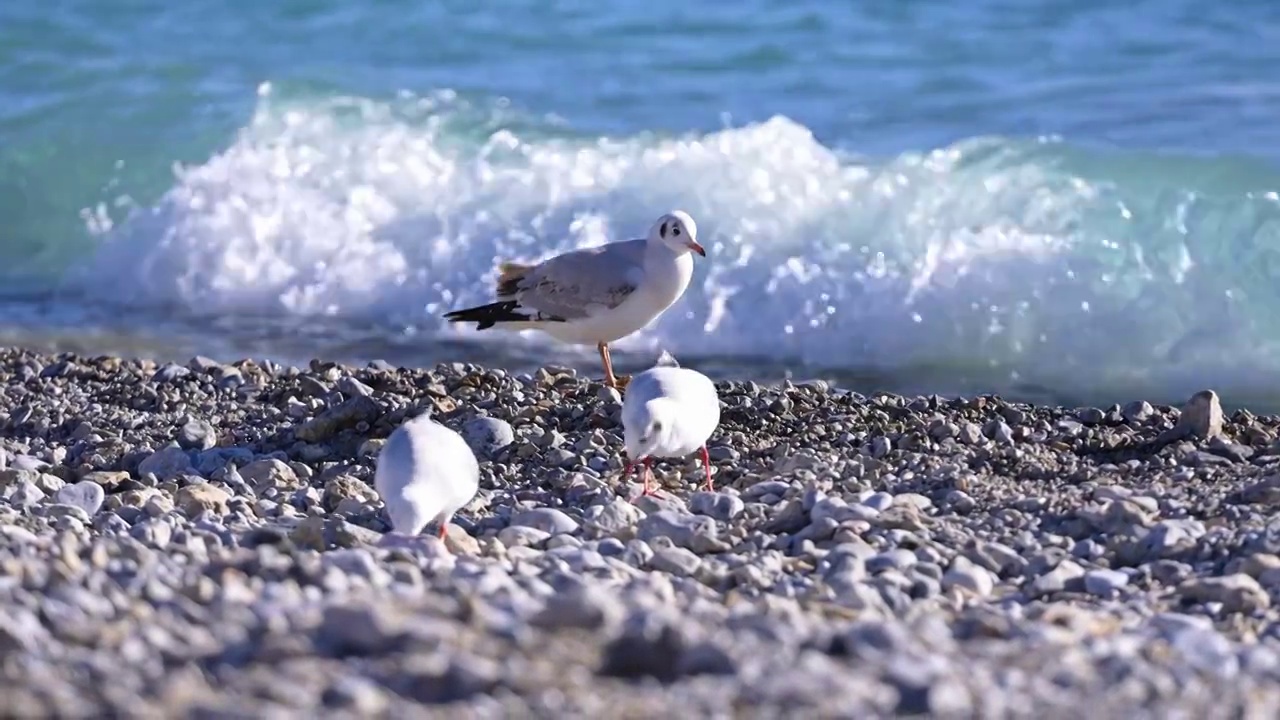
(203, 540)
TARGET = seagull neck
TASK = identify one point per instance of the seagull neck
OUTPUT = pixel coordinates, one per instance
(659, 250)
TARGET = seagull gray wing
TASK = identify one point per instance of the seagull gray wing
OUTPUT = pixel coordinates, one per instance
(579, 284)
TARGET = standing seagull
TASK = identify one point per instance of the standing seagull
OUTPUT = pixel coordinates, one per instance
(668, 412)
(595, 295)
(425, 472)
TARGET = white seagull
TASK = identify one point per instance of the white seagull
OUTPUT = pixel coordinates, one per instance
(425, 472)
(668, 412)
(595, 295)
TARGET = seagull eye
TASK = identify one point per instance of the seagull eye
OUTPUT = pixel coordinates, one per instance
(676, 231)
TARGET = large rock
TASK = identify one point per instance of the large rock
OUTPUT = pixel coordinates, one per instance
(197, 498)
(1202, 415)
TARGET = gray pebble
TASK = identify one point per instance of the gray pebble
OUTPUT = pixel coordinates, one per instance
(521, 535)
(584, 606)
(27, 463)
(24, 494)
(999, 432)
(86, 495)
(1090, 416)
(675, 560)
(1105, 583)
(197, 435)
(638, 553)
(169, 373)
(1238, 593)
(617, 518)
(488, 436)
(1202, 415)
(358, 694)
(720, 506)
(878, 501)
(864, 556)
(166, 463)
(1055, 580)
(880, 446)
(897, 559)
(548, 520)
(767, 487)
(1137, 412)
(967, 575)
(693, 532)
(358, 629)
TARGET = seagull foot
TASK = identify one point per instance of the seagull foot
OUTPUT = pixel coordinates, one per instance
(618, 382)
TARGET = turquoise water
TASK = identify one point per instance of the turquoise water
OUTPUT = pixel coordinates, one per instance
(1071, 200)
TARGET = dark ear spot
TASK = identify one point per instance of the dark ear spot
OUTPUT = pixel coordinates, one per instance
(662, 231)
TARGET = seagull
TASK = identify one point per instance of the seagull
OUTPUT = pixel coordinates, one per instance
(425, 472)
(668, 412)
(595, 295)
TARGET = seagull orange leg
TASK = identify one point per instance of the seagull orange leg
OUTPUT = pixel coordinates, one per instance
(648, 474)
(443, 528)
(706, 464)
(614, 381)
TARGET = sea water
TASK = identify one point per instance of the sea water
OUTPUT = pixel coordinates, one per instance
(1073, 201)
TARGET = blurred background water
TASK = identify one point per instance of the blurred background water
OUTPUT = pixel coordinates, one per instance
(1070, 201)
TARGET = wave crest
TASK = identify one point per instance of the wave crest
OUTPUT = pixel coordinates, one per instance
(1030, 259)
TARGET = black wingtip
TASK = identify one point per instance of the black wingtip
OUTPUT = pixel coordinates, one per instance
(486, 316)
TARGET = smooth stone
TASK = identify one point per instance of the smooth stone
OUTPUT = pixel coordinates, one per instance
(589, 607)
(1202, 415)
(170, 372)
(269, 473)
(718, 505)
(693, 532)
(675, 560)
(197, 435)
(966, 574)
(1104, 583)
(166, 463)
(28, 463)
(896, 559)
(488, 436)
(616, 519)
(24, 494)
(520, 535)
(880, 501)
(1238, 593)
(1055, 580)
(1137, 412)
(548, 520)
(86, 495)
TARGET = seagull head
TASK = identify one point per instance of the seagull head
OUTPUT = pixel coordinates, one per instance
(652, 427)
(678, 231)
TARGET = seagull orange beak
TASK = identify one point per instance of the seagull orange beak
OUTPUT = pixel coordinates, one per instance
(694, 246)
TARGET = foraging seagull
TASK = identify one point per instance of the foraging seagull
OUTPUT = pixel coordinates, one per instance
(668, 412)
(595, 295)
(425, 472)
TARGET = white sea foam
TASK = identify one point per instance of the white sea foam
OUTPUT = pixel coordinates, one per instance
(990, 253)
